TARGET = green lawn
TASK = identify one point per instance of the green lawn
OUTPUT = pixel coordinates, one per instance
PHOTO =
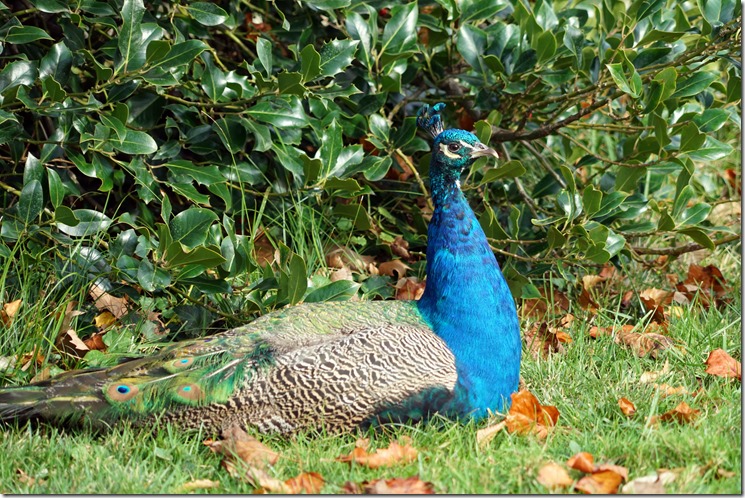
(584, 383)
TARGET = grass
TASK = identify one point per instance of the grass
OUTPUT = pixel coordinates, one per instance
(584, 383)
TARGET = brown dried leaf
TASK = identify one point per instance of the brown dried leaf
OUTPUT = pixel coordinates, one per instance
(306, 482)
(721, 364)
(683, 414)
(400, 248)
(648, 377)
(627, 407)
(237, 446)
(668, 390)
(118, 306)
(555, 305)
(197, 484)
(394, 268)
(552, 476)
(394, 454)
(583, 462)
(9, 311)
(70, 343)
(409, 288)
(26, 479)
(95, 342)
(486, 434)
(528, 416)
(343, 273)
(542, 340)
(395, 486)
(604, 482)
(643, 344)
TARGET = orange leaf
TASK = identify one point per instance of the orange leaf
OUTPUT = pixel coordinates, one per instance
(721, 364)
(604, 482)
(582, 461)
(409, 289)
(309, 482)
(667, 390)
(627, 407)
(552, 475)
(397, 485)
(383, 457)
(682, 414)
(527, 415)
(618, 469)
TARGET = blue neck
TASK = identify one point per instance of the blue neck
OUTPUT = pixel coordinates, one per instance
(468, 304)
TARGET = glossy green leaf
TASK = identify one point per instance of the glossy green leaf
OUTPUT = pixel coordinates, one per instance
(690, 138)
(130, 32)
(359, 30)
(711, 150)
(310, 63)
(207, 13)
(341, 290)
(280, 113)
(694, 84)
(471, 45)
(89, 222)
(19, 35)
(31, 201)
(18, 73)
(545, 46)
(399, 34)
(190, 228)
(232, 134)
(698, 236)
(336, 55)
(135, 142)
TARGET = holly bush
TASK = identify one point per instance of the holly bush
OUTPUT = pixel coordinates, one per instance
(206, 158)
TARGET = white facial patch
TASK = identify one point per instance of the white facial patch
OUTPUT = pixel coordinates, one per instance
(453, 155)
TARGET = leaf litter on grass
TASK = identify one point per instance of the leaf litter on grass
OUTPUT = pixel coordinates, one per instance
(526, 416)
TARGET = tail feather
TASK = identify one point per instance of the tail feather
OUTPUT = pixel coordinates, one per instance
(181, 376)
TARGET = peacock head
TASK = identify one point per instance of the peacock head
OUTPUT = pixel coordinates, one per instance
(453, 150)
(457, 149)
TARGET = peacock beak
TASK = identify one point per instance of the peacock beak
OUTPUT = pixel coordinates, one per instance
(481, 150)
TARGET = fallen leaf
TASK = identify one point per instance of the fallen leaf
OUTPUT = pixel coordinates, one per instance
(394, 268)
(118, 306)
(237, 446)
(627, 407)
(486, 434)
(409, 289)
(682, 414)
(668, 390)
(196, 484)
(583, 462)
(648, 377)
(306, 482)
(394, 454)
(725, 474)
(555, 305)
(528, 416)
(604, 482)
(9, 311)
(400, 248)
(647, 485)
(721, 364)
(618, 469)
(26, 479)
(642, 344)
(552, 476)
(396, 486)
(70, 343)
(95, 342)
(104, 320)
(542, 340)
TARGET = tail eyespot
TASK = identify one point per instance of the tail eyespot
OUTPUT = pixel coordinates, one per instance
(121, 391)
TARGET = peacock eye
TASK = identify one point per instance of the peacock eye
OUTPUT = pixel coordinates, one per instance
(454, 147)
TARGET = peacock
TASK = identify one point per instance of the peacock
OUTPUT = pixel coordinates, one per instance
(335, 365)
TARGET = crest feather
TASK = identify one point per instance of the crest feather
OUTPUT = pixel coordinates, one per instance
(429, 119)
